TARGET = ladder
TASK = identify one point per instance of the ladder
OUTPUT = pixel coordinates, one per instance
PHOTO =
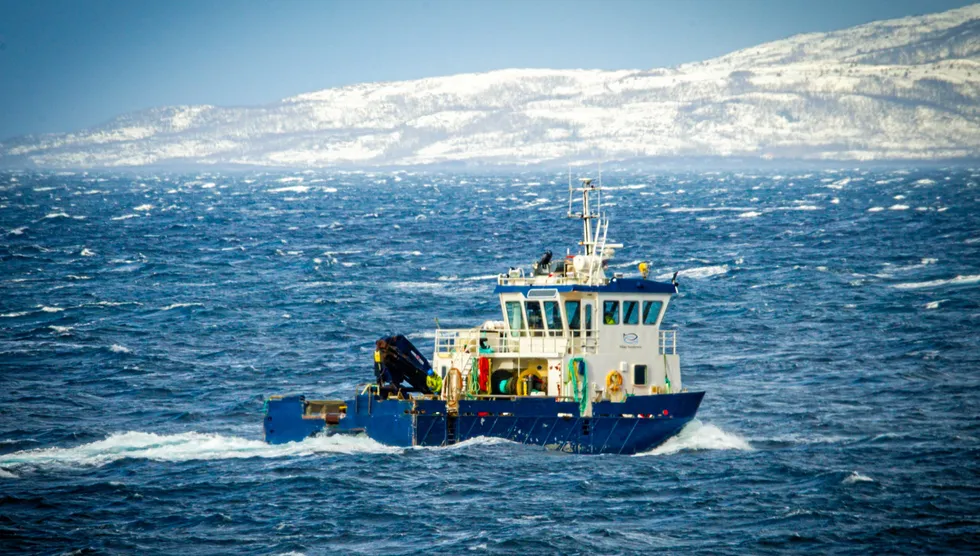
(451, 429)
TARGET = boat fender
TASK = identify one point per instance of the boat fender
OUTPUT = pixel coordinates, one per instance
(614, 381)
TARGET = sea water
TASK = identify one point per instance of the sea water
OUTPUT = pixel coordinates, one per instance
(832, 316)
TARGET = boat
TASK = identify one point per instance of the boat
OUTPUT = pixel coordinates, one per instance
(578, 363)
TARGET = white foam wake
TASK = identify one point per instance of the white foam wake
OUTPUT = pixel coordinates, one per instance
(958, 281)
(698, 436)
(470, 442)
(698, 272)
(188, 446)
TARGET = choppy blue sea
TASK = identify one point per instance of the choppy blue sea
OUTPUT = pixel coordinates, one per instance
(833, 317)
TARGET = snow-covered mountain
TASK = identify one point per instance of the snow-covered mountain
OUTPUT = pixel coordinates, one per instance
(890, 90)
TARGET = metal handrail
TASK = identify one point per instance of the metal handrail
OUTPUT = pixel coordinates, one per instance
(668, 342)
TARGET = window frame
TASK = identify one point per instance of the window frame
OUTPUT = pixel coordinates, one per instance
(636, 313)
(644, 313)
(515, 332)
(540, 311)
(617, 317)
(560, 329)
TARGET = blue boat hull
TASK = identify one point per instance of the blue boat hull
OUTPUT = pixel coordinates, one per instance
(635, 425)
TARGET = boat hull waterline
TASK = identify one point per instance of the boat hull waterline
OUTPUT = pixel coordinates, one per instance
(635, 425)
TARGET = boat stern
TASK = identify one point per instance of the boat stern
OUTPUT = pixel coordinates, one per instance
(293, 418)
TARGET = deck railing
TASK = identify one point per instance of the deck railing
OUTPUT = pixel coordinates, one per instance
(502, 341)
(668, 342)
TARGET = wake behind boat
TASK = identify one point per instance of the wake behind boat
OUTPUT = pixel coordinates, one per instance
(579, 364)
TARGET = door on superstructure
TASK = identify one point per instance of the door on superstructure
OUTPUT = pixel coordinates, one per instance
(588, 325)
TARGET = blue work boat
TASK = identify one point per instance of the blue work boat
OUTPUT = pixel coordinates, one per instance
(578, 364)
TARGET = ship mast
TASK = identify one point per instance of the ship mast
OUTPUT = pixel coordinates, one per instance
(590, 237)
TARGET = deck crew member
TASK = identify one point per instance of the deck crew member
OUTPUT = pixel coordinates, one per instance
(434, 382)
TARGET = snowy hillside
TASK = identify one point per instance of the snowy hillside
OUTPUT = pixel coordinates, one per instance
(899, 89)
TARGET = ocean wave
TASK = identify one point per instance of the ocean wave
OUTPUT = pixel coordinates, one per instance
(116, 348)
(291, 189)
(14, 315)
(709, 209)
(188, 446)
(455, 278)
(697, 272)
(471, 442)
(698, 436)
(957, 281)
(856, 477)
(180, 305)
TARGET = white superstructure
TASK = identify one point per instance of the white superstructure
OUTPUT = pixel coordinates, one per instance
(564, 313)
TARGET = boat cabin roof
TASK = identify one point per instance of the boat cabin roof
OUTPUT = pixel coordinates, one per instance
(616, 285)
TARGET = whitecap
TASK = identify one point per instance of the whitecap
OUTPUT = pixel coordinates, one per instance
(50, 309)
(750, 214)
(116, 348)
(471, 442)
(14, 315)
(876, 209)
(698, 436)
(292, 189)
(188, 446)
(179, 305)
(4, 474)
(17, 231)
(86, 252)
(57, 215)
(125, 217)
(856, 477)
(455, 278)
(925, 181)
(698, 272)
(957, 281)
(898, 207)
(935, 304)
(143, 208)
(61, 329)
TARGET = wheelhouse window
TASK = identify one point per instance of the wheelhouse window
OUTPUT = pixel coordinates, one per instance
(515, 316)
(610, 312)
(631, 312)
(588, 319)
(572, 313)
(552, 317)
(651, 311)
(535, 320)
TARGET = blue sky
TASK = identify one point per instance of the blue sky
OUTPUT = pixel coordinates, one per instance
(70, 64)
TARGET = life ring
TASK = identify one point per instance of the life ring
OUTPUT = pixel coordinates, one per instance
(614, 381)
